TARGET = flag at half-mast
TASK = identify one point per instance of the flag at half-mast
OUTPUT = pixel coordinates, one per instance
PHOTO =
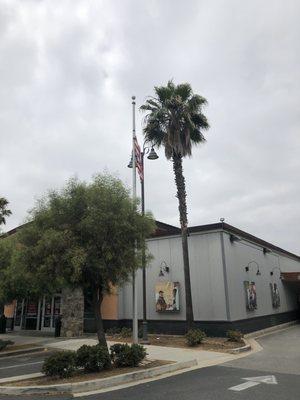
(138, 158)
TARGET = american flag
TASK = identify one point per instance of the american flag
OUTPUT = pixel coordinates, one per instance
(138, 158)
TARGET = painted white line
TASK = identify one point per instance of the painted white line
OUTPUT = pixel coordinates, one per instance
(23, 365)
(243, 386)
(253, 381)
(268, 379)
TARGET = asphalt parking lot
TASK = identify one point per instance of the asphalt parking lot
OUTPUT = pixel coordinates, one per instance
(271, 374)
(22, 364)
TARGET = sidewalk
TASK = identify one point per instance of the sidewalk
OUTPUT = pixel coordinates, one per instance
(203, 357)
(155, 352)
(21, 338)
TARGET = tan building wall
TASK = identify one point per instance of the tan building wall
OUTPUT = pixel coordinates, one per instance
(109, 306)
(9, 309)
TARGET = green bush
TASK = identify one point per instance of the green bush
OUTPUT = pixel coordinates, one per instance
(4, 343)
(125, 332)
(194, 337)
(60, 365)
(140, 332)
(124, 355)
(234, 336)
(113, 331)
(93, 358)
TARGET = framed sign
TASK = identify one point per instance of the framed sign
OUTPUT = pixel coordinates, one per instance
(275, 295)
(167, 297)
(251, 301)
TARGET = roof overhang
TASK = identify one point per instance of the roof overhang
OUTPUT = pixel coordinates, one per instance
(293, 277)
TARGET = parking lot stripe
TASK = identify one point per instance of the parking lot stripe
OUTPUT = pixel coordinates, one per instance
(22, 365)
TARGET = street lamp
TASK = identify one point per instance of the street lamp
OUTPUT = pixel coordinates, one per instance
(152, 155)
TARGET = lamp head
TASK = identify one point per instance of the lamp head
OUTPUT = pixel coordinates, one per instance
(130, 164)
(152, 155)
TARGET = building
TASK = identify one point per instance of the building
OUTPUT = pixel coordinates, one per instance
(238, 282)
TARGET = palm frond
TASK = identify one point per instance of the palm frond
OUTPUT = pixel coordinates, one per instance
(174, 119)
(184, 91)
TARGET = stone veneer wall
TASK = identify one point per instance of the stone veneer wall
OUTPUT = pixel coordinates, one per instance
(72, 311)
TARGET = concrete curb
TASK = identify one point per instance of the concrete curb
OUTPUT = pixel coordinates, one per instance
(21, 351)
(97, 384)
(242, 349)
(271, 329)
(21, 377)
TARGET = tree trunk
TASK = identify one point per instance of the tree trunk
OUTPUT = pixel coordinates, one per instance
(181, 195)
(97, 301)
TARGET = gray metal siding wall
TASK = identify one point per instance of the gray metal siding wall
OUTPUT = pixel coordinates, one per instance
(206, 278)
(238, 255)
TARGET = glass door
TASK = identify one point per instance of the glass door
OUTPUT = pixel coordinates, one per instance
(50, 311)
(56, 309)
(31, 317)
(19, 314)
(47, 313)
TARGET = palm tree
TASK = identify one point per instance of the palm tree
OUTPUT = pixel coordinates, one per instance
(4, 212)
(174, 119)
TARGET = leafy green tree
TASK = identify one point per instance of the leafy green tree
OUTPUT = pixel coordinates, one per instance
(4, 211)
(83, 236)
(12, 279)
(174, 120)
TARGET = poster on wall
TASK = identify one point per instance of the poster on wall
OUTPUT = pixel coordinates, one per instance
(251, 301)
(167, 297)
(275, 295)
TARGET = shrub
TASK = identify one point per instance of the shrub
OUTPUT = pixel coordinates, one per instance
(194, 337)
(235, 336)
(124, 355)
(93, 358)
(4, 343)
(125, 332)
(113, 331)
(61, 364)
(140, 332)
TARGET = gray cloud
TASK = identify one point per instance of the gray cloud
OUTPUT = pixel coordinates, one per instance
(67, 73)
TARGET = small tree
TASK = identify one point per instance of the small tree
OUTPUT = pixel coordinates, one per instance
(84, 237)
(4, 211)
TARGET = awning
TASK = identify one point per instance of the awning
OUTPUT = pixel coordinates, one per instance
(292, 280)
(290, 276)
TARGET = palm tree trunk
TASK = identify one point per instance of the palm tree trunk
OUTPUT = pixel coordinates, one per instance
(181, 195)
(97, 301)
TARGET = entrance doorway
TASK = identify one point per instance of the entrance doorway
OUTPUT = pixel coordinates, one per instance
(51, 307)
(39, 314)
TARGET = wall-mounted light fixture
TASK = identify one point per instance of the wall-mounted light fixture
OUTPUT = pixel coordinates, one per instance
(272, 272)
(266, 250)
(234, 238)
(247, 268)
(163, 269)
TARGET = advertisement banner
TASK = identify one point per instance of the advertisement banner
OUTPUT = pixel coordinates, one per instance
(167, 296)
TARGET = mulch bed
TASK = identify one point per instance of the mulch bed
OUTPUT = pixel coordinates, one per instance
(13, 347)
(219, 344)
(81, 376)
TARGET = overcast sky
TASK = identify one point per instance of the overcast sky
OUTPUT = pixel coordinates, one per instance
(68, 70)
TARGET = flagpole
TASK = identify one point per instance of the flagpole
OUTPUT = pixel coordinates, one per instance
(134, 286)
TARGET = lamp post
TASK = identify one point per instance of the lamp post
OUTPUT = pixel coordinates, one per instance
(134, 287)
(152, 155)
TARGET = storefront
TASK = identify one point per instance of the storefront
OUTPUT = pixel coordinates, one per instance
(238, 281)
(41, 314)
